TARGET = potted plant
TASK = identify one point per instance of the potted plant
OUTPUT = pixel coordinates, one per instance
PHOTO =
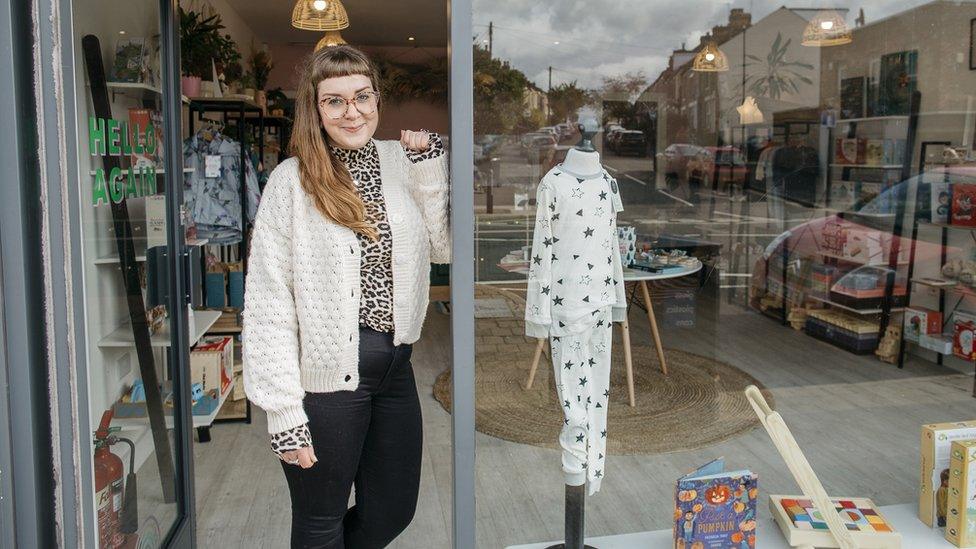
(201, 44)
(247, 83)
(233, 76)
(261, 65)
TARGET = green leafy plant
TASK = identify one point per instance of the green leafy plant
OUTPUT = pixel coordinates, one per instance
(261, 65)
(776, 75)
(412, 80)
(201, 43)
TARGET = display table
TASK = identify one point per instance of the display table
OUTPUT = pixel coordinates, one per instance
(641, 278)
(915, 534)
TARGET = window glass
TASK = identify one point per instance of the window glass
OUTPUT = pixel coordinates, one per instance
(797, 191)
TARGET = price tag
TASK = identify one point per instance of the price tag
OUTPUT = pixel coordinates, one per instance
(212, 165)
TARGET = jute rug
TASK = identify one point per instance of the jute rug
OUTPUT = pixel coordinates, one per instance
(699, 402)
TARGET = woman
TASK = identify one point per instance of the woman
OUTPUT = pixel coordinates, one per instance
(337, 291)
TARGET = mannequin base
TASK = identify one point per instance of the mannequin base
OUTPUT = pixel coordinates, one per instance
(563, 546)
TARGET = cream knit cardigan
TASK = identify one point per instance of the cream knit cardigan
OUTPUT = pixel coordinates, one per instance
(301, 303)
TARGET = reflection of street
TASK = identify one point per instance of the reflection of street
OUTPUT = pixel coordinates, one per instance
(739, 225)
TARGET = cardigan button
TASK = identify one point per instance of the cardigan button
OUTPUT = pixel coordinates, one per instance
(348, 377)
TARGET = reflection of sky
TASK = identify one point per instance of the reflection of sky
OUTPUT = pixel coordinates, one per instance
(600, 38)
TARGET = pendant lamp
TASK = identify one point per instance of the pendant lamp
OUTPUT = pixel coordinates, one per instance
(710, 59)
(827, 29)
(319, 15)
(331, 38)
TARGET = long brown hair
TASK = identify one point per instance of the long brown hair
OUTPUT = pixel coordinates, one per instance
(323, 176)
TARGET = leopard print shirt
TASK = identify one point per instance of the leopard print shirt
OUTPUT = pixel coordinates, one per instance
(376, 270)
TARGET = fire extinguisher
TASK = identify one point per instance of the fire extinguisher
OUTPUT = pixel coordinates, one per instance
(108, 485)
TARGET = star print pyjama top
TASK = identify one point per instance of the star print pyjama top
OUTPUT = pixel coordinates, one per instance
(575, 291)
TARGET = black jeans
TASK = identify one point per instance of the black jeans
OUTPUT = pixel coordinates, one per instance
(371, 437)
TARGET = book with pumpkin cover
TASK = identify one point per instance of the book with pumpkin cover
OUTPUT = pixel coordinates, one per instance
(715, 509)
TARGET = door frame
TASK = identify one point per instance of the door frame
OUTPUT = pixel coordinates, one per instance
(461, 101)
(65, 367)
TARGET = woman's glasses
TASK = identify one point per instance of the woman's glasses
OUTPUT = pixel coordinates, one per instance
(336, 107)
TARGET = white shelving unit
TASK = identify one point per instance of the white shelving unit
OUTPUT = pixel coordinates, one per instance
(137, 90)
(122, 336)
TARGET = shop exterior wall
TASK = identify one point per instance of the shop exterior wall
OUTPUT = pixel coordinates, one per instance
(935, 31)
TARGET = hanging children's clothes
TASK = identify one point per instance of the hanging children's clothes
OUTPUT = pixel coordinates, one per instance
(212, 192)
(575, 291)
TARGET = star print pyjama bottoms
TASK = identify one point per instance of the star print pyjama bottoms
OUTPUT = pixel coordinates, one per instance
(581, 365)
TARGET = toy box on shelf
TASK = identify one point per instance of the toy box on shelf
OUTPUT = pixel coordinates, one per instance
(212, 363)
(864, 288)
(847, 331)
(963, 205)
(919, 321)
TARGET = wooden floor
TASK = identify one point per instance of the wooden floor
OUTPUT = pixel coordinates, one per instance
(857, 418)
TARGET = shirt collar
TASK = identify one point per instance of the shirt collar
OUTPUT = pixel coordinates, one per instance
(352, 157)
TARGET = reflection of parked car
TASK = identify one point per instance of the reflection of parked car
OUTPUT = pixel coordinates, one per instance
(725, 165)
(684, 162)
(611, 134)
(630, 142)
(820, 251)
(565, 130)
(528, 137)
(539, 147)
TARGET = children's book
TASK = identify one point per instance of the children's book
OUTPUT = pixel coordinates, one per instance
(715, 509)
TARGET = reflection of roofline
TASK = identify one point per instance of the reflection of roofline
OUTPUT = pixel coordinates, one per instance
(803, 11)
(903, 12)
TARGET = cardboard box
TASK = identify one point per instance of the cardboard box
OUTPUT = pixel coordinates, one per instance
(936, 442)
(849, 150)
(964, 340)
(212, 363)
(939, 343)
(964, 205)
(921, 321)
(940, 201)
(961, 494)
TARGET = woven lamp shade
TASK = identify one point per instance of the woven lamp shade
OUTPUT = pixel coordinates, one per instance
(710, 59)
(319, 15)
(827, 29)
(331, 38)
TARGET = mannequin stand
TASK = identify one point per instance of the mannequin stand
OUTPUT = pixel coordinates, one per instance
(575, 505)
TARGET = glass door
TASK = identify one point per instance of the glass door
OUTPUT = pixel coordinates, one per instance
(138, 324)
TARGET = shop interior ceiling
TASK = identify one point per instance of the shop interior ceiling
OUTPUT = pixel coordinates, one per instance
(371, 23)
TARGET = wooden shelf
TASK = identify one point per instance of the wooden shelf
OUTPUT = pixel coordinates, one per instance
(852, 309)
(122, 336)
(138, 90)
(873, 119)
(198, 420)
(954, 287)
(884, 262)
(114, 259)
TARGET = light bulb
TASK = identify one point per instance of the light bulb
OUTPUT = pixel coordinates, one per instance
(710, 57)
(556, 42)
(827, 25)
(320, 5)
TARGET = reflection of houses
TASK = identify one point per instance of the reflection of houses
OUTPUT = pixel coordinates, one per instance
(766, 62)
(535, 100)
